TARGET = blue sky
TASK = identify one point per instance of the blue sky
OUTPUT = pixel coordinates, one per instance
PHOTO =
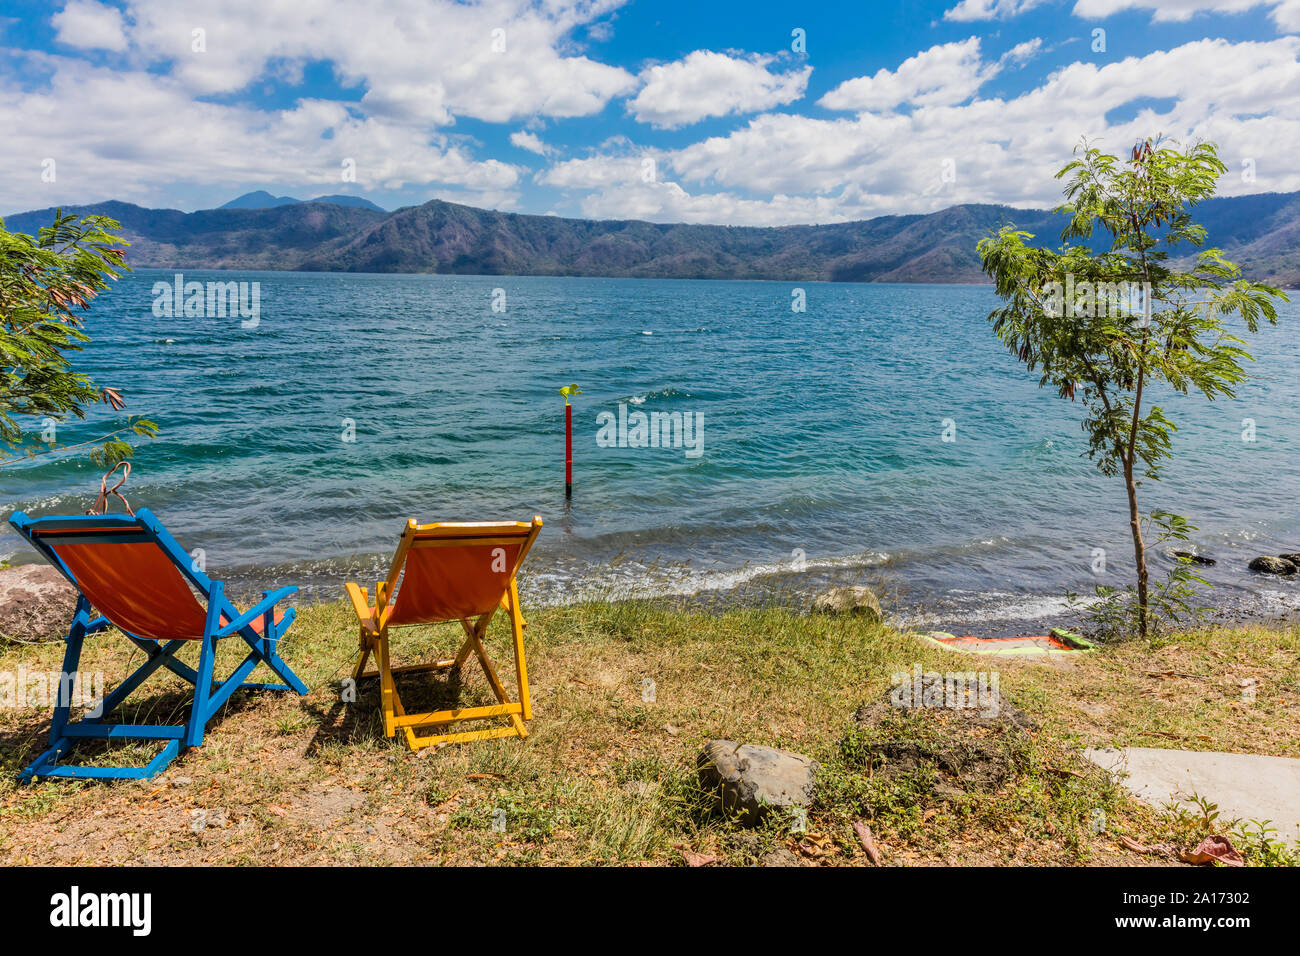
(669, 111)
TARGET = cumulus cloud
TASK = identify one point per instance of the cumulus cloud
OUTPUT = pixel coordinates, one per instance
(133, 135)
(705, 84)
(1285, 13)
(969, 10)
(531, 142)
(90, 25)
(423, 61)
(1245, 96)
(173, 118)
(940, 76)
(1022, 53)
(923, 135)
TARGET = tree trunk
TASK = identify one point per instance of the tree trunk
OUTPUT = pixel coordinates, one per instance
(1134, 518)
(1139, 547)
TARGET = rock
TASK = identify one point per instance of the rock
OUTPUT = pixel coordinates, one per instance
(781, 856)
(1293, 558)
(752, 781)
(1267, 565)
(1195, 558)
(858, 601)
(36, 603)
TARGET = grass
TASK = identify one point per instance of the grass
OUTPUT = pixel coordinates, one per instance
(607, 775)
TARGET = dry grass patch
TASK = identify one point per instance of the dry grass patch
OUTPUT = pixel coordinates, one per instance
(607, 775)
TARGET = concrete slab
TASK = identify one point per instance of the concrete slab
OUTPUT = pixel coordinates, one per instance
(1246, 786)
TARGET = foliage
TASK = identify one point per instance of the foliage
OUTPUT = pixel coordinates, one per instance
(1105, 328)
(45, 283)
(1117, 612)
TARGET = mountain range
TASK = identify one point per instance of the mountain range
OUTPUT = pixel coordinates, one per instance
(1261, 233)
(261, 199)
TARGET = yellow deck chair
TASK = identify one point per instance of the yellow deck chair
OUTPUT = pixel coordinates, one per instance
(449, 572)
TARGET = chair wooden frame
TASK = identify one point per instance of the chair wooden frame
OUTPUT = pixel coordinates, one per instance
(374, 637)
(260, 627)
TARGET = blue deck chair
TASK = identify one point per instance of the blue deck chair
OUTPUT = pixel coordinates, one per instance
(130, 570)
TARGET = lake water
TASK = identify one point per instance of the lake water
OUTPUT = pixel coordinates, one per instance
(294, 451)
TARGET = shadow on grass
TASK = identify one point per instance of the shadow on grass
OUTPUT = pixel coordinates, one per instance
(20, 745)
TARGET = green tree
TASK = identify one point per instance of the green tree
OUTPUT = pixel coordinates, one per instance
(45, 283)
(1105, 328)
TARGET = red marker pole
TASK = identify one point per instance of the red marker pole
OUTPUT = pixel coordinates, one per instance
(568, 392)
(568, 451)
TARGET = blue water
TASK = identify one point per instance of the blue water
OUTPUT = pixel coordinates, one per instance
(823, 455)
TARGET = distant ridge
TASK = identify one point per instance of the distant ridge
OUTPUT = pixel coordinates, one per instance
(261, 199)
(1259, 232)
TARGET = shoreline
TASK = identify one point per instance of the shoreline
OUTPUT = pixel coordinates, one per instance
(997, 613)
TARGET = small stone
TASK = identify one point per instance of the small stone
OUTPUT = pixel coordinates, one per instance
(857, 601)
(752, 781)
(1195, 558)
(1270, 565)
(670, 730)
(781, 856)
(1294, 558)
(181, 781)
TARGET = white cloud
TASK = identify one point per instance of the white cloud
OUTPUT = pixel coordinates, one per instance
(601, 171)
(940, 76)
(1022, 53)
(531, 142)
(1244, 96)
(1285, 13)
(90, 25)
(152, 129)
(146, 132)
(969, 10)
(420, 61)
(669, 202)
(135, 135)
(705, 84)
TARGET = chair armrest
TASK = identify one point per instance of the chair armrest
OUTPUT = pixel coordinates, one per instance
(269, 600)
(361, 604)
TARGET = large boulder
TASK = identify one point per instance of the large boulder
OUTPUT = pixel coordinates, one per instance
(857, 600)
(753, 781)
(36, 603)
(1270, 565)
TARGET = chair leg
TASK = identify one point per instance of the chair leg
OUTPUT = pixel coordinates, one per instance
(364, 656)
(521, 665)
(281, 669)
(497, 687)
(71, 661)
(387, 690)
(396, 718)
(64, 734)
(202, 691)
